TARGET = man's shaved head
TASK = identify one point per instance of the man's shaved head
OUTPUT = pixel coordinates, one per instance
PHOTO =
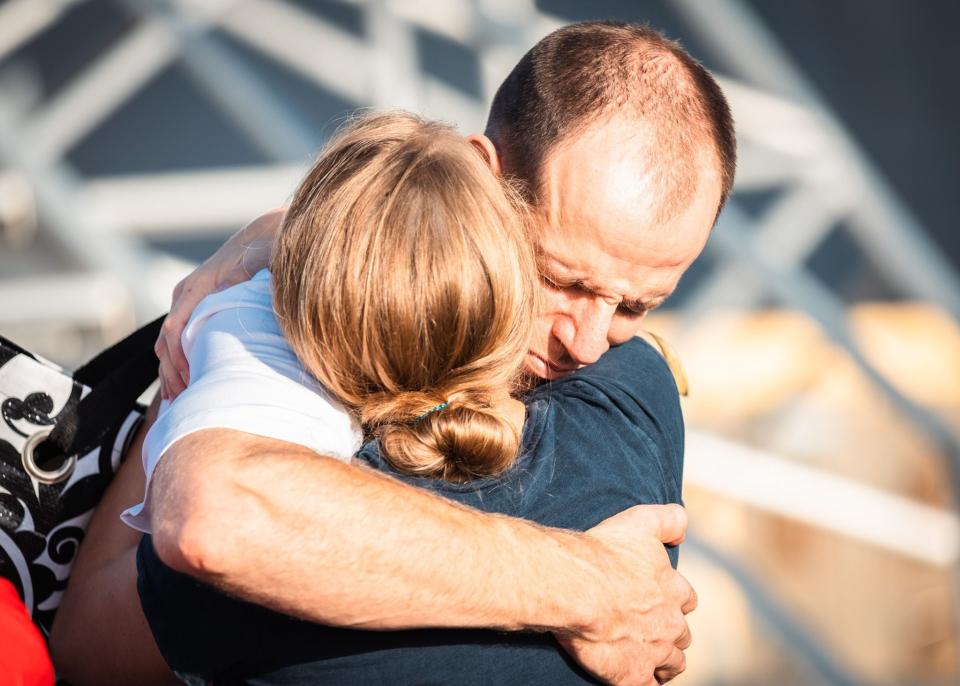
(583, 73)
(624, 146)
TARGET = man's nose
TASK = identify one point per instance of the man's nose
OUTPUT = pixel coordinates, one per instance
(585, 334)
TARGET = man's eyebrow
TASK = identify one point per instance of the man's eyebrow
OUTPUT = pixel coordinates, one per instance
(644, 304)
(556, 272)
(647, 303)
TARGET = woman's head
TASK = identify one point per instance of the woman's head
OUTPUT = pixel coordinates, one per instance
(404, 279)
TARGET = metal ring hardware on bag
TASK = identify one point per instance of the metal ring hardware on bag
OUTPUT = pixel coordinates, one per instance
(34, 470)
(98, 413)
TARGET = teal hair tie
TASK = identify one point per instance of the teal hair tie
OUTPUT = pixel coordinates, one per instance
(435, 408)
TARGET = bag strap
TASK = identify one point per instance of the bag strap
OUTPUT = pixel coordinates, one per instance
(116, 377)
(100, 367)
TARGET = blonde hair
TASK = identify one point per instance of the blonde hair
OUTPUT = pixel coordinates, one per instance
(404, 278)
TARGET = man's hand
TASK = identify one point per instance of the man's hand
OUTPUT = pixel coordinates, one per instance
(237, 260)
(640, 637)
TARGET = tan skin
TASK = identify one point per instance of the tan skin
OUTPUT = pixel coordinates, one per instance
(608, 259)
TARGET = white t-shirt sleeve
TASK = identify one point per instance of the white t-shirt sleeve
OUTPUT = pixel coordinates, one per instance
(244, 376)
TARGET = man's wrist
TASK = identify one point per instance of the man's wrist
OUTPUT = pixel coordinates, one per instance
(565, 595)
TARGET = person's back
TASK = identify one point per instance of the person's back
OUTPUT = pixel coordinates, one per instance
(601, 440)
(403, 280)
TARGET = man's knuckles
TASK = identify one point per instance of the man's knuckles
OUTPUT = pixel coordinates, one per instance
(667, 674)
(691, 600)
(686, 638)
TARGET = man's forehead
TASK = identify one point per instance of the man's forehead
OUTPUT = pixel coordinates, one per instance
(612, 181)
(617, 246)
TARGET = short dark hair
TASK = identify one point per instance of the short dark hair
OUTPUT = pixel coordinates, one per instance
(584, 71)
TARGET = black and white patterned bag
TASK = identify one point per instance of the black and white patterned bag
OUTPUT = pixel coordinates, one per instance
(61, 439)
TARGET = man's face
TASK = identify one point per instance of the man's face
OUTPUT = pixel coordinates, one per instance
(606, 257)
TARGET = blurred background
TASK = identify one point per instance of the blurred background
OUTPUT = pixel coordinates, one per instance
(819, 330)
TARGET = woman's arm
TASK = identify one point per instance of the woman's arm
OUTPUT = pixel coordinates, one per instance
(100, 636)
(243, 255)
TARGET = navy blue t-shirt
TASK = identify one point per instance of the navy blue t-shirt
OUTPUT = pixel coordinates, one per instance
(595, 443)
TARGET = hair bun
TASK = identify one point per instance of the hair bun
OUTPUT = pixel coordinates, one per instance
(465, 440)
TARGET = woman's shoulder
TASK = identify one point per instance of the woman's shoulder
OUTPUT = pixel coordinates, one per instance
(631, 375)
(626, 402)
(253, 299)
(245, 376)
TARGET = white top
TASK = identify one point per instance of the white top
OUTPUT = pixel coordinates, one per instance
(244, 376)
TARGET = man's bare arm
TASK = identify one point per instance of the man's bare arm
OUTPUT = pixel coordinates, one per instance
(279, 525)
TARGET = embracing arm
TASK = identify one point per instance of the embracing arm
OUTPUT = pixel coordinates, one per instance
(279, 525)
(243, 255)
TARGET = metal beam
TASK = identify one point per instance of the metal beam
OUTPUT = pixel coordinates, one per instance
(886, 229)
(330, 58)
(84, 232)
(89, 299)
(277, 130)
(827, 669)
(191, 202)
(101, 88)
(811, 496)
(393, 60)
(798, 289)
(21, 20)
(799, 220)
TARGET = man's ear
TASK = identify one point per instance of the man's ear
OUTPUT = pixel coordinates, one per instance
(487, 151)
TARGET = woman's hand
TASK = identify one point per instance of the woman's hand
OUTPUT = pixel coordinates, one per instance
(236, 261)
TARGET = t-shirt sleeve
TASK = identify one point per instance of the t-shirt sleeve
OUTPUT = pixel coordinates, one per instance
(618, 435)
(244, 376)
(634, 380)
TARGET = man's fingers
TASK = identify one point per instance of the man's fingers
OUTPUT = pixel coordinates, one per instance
(690, 604)
(159, 349)
(171, 330)
(163, 390)
(666, 522)
(170, 382)
(177, 290)
(673, 524)
(686, 638)
(675, 664)
(176, 356)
